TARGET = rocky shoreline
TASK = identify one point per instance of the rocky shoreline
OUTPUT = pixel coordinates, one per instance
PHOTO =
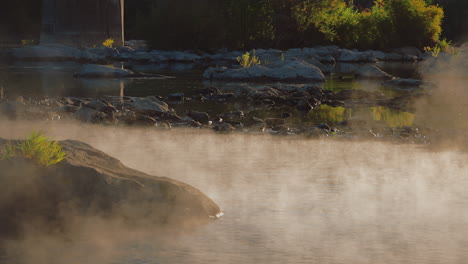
(282, 108)
(271, 109)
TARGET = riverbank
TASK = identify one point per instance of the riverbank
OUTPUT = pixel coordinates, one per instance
(383, 106)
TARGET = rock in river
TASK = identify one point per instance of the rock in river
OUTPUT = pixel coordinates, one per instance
(369, 71)
(289, 70)
(91, 183)
(148, 106)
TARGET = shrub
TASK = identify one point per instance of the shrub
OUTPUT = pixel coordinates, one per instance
(38, 148)
(246, 60)
(389, 23)
(108, 43)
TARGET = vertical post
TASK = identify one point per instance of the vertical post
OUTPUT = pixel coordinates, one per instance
(122, 13)
(122, 88)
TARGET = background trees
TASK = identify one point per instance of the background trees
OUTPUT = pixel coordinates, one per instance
(204, 24)
(20, 20)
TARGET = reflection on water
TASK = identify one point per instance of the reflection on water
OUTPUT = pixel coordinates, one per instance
(285, 200)
(329, 114)
(392, 118)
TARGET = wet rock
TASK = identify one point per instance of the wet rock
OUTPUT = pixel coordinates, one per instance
(125, 49)
(73, 101)
(355, 56)
(101, 106)
(201, 117)
(68, 109)
(171, 116)
(346, 68)
(178, 97)
(268, 102)
(103, 52)
(253, 120)
(235, 124)
(223, 127)
(408, 51)
(280, 71)
(233, 114)
(328, 59)
(193, 123)
(91, 182)
(264, 93)
(280, 128)
(304, 105)
(324, 127)
(126, 116)
(406, 84)
(101, 71)
(208, 91)
(144, 120)
(89, 115)
(314, 132)
(274, 122)
(182, 56)
(384, 56)
(148, 106)
(141, 56)
(372, 72)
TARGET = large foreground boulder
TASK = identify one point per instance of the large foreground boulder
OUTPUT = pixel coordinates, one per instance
(89, 183)
(288, 70)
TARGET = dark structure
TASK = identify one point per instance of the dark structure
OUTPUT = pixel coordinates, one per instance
(82, 22)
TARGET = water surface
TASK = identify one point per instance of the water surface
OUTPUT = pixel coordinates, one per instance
(285, 200)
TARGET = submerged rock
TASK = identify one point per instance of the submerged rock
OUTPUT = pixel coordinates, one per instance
(372, 72)
(91, 183)
(407, 84)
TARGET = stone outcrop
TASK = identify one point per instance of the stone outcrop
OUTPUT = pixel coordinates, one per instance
(91, 183)
(289, 70)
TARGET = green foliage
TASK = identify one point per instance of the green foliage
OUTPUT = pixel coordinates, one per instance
(244, 24)
(442, 46)
(108, 43)
(247, 60)
(8, 151)
(38, 148)
(389, 23)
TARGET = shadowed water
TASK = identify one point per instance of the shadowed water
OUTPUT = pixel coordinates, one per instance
(285, 200)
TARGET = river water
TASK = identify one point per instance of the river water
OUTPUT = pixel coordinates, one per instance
(286, 200)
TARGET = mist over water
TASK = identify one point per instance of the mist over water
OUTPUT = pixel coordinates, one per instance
(285, 200)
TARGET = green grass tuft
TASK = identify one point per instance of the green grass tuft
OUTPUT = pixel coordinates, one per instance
(37, 147)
